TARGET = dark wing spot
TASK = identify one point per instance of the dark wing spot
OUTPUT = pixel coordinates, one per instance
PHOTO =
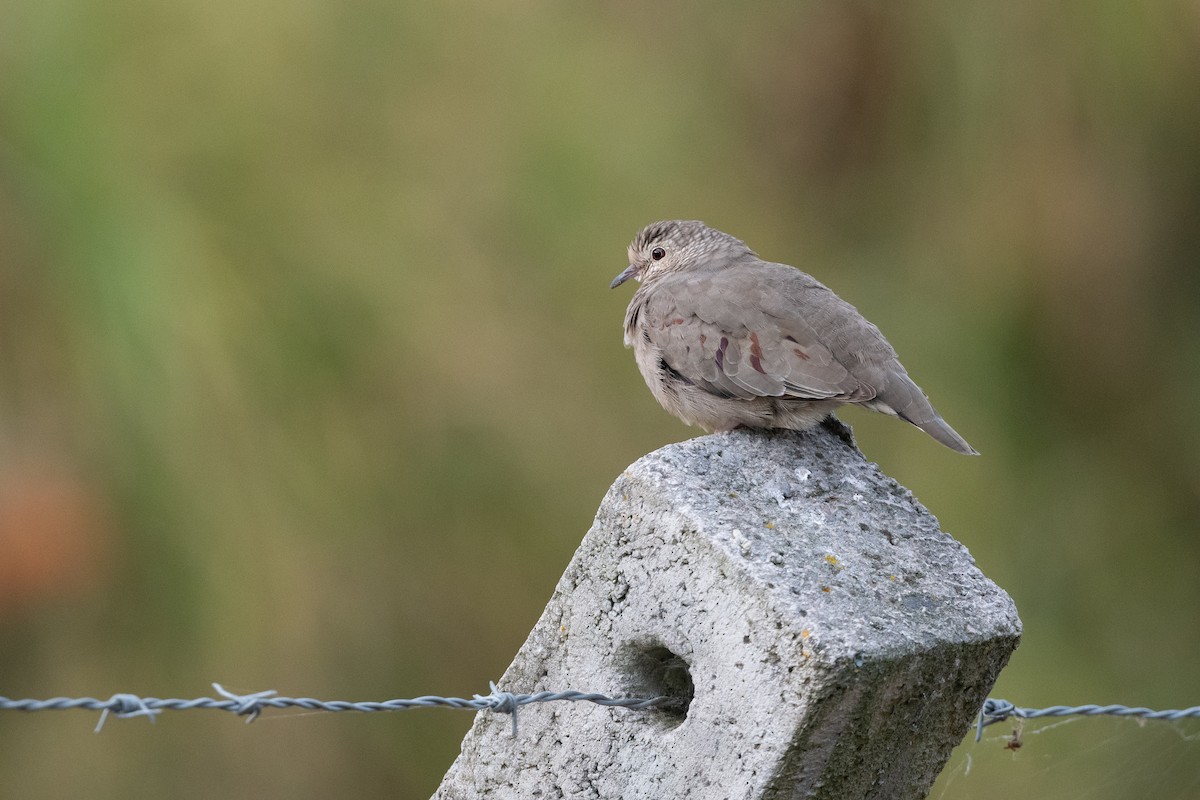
(721, 352)
(756, 353)
(790, 339)
(800, 353)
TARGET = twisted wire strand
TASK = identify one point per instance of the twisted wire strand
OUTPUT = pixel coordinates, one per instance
(995, 710)
(250, 706)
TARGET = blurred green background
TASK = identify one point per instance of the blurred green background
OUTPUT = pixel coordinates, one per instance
(310, 378)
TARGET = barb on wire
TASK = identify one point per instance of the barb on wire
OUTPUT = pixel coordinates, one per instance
(506, 703)
(126, 706)
(248, 705)
(995, 710)
(252, 705)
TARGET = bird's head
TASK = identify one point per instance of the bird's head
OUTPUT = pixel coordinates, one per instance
(677, 245)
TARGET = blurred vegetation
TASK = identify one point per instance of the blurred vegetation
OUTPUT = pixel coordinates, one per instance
(310, 378)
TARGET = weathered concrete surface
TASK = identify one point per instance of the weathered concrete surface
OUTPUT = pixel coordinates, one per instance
(839, 643)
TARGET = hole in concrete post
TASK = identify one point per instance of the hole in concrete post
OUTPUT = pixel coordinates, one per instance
(653, 671)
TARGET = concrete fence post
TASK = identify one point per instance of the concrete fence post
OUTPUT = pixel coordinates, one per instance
(825, 639)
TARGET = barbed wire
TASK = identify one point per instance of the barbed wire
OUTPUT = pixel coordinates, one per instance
(251, 706)
(995, 710)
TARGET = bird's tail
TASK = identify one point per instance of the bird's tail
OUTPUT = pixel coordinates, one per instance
(904, 399)
(939, 430)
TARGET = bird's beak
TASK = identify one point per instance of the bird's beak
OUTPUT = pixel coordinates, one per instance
(629, 272)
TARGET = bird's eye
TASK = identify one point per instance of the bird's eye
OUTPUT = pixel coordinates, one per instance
(658, 253)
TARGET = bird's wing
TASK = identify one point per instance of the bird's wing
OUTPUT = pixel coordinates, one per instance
(752, 332)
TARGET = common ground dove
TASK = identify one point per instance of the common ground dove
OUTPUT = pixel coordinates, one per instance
(725, 339)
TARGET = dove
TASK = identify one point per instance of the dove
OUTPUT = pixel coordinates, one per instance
(727, 340)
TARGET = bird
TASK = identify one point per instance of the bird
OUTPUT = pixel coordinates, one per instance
(726, 340)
